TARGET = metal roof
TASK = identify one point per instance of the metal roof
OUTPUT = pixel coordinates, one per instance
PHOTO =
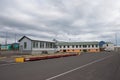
(77, 43)
(34, 39)
(109, 43)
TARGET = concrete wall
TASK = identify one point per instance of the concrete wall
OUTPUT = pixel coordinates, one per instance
(42, 51)
(94, 50)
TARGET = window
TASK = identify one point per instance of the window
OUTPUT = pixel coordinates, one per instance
(60, 46)
(84, 46)
(76, 46)
(96, 45)
(47, 45)
(80, 46)
(42, 44)
(36, 45)
(51, 45)
(92, 45)
(25, 45)
(88, 45)
(64, 46)
(68, 46)
(72, 46)
(33, 44)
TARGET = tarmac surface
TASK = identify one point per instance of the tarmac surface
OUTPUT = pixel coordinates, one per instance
(89, 66)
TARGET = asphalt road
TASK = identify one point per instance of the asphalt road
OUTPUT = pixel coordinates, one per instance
(95, 66)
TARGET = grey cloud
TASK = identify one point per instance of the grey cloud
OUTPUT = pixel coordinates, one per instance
(63, 19)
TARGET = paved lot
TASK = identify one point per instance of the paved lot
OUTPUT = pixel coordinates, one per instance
(97, 66)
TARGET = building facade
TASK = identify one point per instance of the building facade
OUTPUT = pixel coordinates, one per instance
(30, 46)
(108, 46)
(78, 47)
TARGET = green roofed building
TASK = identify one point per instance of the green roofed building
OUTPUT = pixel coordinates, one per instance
(14, 46)
(78, 46)
(6, 47)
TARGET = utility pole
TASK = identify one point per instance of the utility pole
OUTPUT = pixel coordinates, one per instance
(15, 37)
(6, 39)
(116, 38)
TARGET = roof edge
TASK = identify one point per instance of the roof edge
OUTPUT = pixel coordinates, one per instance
(24, 37)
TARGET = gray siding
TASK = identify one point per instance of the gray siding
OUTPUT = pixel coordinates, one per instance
(28, 46)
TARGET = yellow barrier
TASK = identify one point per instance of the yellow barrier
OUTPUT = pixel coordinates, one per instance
(20, 59)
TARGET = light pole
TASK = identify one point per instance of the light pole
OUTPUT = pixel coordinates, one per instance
(116, 38)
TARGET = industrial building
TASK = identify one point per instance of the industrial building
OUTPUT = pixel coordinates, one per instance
(84, 46)
(30, 46)
(78, 47)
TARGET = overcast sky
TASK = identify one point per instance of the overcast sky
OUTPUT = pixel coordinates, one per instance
(65, 20)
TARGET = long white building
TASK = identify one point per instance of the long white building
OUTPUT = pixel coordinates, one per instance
(31, 46)
(78, 47)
